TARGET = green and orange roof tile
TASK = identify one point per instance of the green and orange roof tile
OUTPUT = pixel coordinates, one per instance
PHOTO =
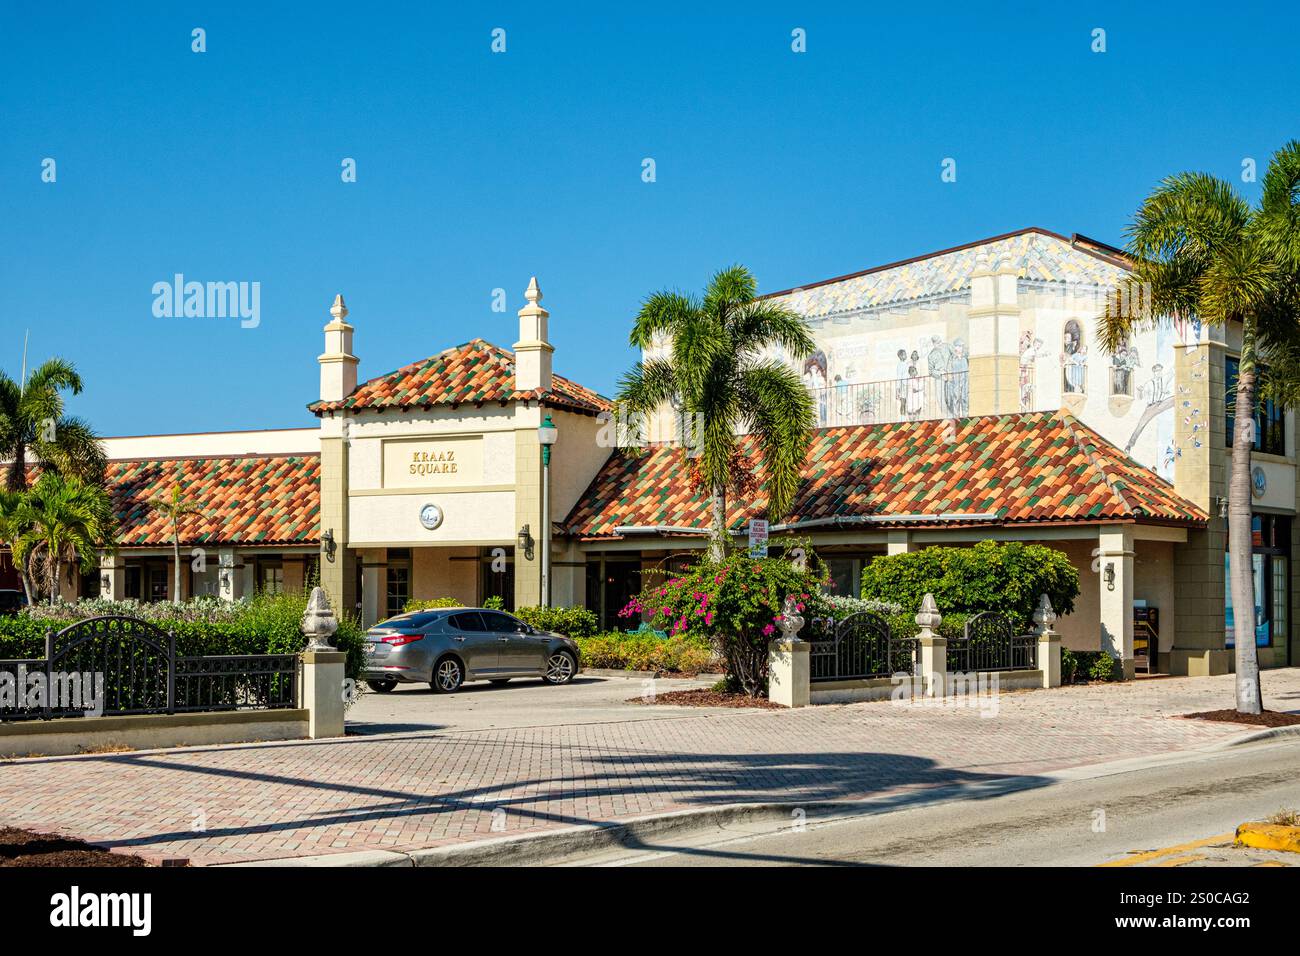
(476, 373)
(256, 500)
(1037, 467)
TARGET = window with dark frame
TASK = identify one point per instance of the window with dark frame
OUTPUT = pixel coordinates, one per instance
(1270, 418)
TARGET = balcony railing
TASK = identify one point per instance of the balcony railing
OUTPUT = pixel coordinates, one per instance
(920, 398)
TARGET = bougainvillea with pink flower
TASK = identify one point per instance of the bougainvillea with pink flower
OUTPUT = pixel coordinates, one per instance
(735, 603)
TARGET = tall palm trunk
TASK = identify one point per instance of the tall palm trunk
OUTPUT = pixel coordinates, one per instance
(176, 548)
(16, 478)
(1241, 565)
(718, 537)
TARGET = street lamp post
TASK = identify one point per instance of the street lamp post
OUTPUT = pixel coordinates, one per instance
(547, 434)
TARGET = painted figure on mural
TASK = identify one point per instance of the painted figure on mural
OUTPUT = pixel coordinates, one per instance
(814, 377)
(1122, 365)
(1074, 359)
(900, 381)
(915, 393)
(956, 389)
(1031, 350)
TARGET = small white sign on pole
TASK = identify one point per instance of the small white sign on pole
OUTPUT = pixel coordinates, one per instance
(758, 538)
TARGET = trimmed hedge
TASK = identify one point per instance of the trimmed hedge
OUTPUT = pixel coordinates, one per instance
(990, 576)
(683, 654)
(572, 622)
(1080, 666)
(264, 624)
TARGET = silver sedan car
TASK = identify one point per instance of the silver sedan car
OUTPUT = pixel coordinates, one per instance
(448, 646)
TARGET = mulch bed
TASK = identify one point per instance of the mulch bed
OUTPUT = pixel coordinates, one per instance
(707, 698)
(24, 848)
(1269, 718)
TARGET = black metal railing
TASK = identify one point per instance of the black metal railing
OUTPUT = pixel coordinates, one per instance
(989, 643)
(861, 646)
(919, 398)
(117, 666)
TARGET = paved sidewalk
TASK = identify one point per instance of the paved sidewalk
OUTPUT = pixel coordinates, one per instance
(424, 788)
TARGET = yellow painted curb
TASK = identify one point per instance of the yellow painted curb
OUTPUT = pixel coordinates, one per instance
(1136, 859)
(1268, 836)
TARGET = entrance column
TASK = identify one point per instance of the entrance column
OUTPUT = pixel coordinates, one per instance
(230, 575)
(112, 577)
(374, 585)
(1115, 565)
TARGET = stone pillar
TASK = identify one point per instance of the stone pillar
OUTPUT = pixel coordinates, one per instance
(789, 672)
(323, 670)
(1115, 565)
(112, 577)
(1049, 643)
(230, 575)
(528, 506)
(994, 331)
(934, 648)
(338, 379)
(1200, 476)
(374, 586)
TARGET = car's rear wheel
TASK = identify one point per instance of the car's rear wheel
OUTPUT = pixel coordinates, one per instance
(382, 686)
(560, 668)
(500, 680)
(448, 675)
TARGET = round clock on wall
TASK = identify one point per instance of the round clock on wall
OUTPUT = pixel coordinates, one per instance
(430, 517)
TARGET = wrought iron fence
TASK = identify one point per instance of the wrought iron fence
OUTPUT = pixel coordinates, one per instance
(989, 643)
(128, 666)
(859, 647)
(919, 398)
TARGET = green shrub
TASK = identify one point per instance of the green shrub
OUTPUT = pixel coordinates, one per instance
(495, 603)
(430, 604)
(1069, 666)
(572, 622)
(1102, 668)
(683, 654)
(990, 576)
(263, 624)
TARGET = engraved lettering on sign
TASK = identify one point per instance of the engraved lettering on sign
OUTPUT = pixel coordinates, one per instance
(433, 463)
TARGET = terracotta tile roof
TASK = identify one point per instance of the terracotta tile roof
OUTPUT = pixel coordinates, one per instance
(1043, 466)
(474, 373)
(273, 499)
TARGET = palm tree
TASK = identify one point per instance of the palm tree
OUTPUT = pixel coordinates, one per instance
(175, 507)
(721, 373)
(66, 523)
(32, 424)
(12, 526)
(1200, 250)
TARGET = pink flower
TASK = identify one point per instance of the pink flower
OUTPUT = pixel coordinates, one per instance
(708, 618)
(767, 630)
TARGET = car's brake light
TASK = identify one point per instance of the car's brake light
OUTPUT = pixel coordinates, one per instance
(397, 640)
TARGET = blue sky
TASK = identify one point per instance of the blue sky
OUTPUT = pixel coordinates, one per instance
(476, 170)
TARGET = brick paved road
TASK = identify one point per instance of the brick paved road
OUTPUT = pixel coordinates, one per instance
(424, 788)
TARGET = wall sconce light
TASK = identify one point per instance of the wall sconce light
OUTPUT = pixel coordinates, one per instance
(328, 543)
(104, 583)
(225, 579)
(526, 542)
(1223, 507)
(1109, 575)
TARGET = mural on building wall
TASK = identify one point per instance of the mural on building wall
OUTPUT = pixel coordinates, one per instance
(1154, 390)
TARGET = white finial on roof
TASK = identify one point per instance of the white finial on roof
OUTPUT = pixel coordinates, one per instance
(533, 350)
(338, 309)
